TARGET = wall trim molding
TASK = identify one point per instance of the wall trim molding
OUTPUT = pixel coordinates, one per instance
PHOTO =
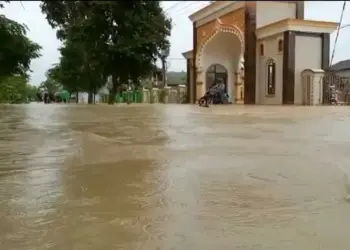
(233, 29)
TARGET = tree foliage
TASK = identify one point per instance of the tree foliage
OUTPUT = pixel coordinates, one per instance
(74, 71)
(49, 85)
(16, 53)
(16, 89)
(102, 38)
(17, 50)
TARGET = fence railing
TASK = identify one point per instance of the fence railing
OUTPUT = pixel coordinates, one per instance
(336, 89)
(153, 95)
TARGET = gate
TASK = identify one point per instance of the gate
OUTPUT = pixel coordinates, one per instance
(336, 89)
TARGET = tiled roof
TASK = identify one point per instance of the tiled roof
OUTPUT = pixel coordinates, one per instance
(342, 65)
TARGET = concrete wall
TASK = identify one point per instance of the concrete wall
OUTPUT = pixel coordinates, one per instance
(308, 53)
(83, 98)
(269, 12)
(270, 52)
(166, 95)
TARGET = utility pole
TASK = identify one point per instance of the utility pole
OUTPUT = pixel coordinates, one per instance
(164, 72)
(163, 56)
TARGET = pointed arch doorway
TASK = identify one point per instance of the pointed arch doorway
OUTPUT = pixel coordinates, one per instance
(224, 47)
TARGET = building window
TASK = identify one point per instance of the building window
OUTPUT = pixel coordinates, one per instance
(280, 45)
(261, 49)
(271, 77)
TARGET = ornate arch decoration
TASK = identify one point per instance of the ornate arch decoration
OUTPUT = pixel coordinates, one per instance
(233, 29)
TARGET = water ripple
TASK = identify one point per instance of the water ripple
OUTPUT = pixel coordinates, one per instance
(173, 177)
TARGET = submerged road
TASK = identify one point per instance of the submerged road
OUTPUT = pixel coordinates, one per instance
(174, 177)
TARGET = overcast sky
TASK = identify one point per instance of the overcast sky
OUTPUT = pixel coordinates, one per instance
(181, 38)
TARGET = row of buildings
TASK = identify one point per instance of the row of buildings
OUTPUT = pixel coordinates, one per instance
(265, 52)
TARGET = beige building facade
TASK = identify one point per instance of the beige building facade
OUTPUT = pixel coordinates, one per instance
(257, 49)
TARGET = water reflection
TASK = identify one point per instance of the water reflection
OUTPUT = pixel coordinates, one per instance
(173, 177)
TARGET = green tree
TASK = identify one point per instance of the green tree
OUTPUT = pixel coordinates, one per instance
(68, 71)
(52, 82)
(49, 85)
(32, 92)
(74, 73)
(82, 66)
(16, 89)
(118, 38)
(17, 50)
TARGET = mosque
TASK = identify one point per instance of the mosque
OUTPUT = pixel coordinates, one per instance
(260, 50)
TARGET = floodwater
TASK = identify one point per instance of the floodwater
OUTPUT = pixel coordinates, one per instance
(174, 177)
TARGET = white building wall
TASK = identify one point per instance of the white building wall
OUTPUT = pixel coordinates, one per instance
(268, 12)
(270, 52)
(308, 55)
(225, 49)
(83, 98)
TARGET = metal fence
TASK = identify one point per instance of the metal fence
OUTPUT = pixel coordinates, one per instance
(336, 89)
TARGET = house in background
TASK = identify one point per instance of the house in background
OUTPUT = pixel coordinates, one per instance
(341, 69)
(338, 79)
(257, 48)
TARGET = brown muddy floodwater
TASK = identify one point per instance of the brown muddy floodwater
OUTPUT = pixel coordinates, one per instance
(173, 177)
